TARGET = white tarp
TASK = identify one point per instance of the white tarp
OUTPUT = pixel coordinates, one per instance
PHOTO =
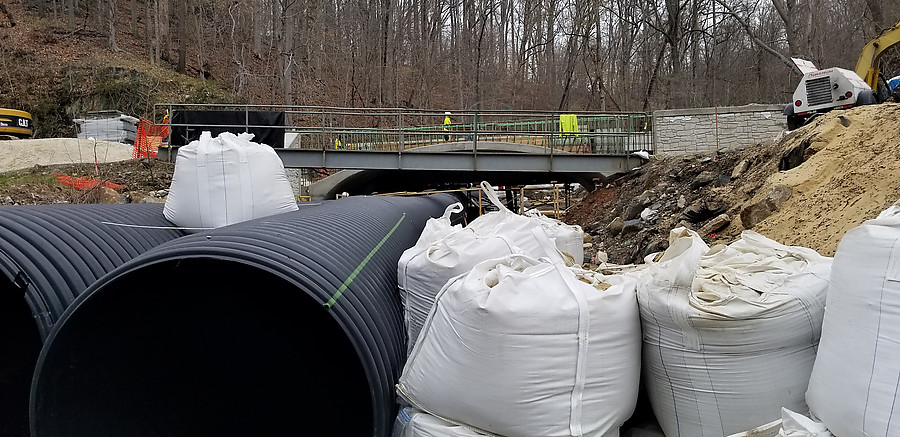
(226, 180)
(730, 333)
(569, 239)
(797, 425)
(854, 384)
(521, 347)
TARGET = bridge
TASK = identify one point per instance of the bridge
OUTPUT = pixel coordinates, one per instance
(386, 148)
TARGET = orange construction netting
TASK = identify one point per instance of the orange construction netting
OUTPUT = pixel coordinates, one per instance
(149, 137)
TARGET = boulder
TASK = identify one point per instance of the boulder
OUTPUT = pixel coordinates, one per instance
(717, 223)
(108, 195)
(631, 226)
(702, 179)
(740, 168)
(640, 202)
(615, 226)
(764, 207)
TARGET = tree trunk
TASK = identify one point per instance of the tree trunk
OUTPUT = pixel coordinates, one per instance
(111, 22)
(181, 30)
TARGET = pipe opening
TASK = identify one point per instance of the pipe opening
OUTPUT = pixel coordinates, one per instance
(20, 345)
(201, 346)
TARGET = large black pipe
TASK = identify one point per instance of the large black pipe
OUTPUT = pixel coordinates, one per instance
(289, 325)
(50, 254)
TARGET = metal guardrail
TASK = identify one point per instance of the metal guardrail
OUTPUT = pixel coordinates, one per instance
(399, 130)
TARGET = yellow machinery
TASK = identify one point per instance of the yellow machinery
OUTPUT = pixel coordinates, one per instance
(15, 123)
(867, 66)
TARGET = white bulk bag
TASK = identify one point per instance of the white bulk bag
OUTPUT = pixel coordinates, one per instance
(225, 180)
(521, 347)
(426, 271)
(414, 423)
(569, 239)
(435, 229)
(730, 334)
(854, 385)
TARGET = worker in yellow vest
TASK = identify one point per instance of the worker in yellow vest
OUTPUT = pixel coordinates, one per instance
(447, 123)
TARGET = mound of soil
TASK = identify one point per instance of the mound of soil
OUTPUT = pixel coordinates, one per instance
(807, 188)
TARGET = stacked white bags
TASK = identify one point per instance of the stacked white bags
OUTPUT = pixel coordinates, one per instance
(521, 347)
(443, 252)
(854, 384)
(569, 239)
(225, 180)
(730, 334)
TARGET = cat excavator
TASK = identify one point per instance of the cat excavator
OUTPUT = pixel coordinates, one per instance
(823, 90)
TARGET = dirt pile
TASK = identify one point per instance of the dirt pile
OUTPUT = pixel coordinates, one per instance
(142, 180)
(838, 171)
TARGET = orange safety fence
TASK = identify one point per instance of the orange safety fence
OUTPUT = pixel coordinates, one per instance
(85, 183)
(149, 137)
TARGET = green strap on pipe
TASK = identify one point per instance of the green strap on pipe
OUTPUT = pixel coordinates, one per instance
(362, 264)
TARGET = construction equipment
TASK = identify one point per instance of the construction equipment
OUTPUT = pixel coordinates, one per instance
(15, 123)
(823, 90)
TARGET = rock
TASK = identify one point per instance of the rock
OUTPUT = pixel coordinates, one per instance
(676, 173)
(615, 226)
(761, 209)
(587, 238)
(588, 246)
(702, 210)
(151, 199)
(719, 222)
(705, 160)
(108, 195)
(601, 257)
(640, 202)
(704, 178)
(8, 200)
(160, 193)
(682, 202)
(740, 168)
(631, 226)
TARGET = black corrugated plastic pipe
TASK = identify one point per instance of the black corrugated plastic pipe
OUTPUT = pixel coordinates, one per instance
(49, 254)
(288, 325)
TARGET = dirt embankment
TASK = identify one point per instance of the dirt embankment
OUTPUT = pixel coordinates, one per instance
(844, 169)
(67, 170)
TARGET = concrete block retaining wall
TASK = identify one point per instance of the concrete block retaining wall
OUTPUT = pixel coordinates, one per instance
(694, 130)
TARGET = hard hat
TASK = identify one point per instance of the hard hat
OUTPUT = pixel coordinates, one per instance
(447, 113)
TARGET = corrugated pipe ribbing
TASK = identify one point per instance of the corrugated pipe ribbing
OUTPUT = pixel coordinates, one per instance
(287, 325)
(49, 254)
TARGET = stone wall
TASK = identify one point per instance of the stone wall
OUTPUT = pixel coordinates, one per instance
(694, 130)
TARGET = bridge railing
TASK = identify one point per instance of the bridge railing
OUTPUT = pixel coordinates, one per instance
(400, 130)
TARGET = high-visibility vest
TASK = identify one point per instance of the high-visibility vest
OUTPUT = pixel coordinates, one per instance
(447, 123)
(337, 143)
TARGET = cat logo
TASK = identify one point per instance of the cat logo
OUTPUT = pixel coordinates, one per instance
(15, 123)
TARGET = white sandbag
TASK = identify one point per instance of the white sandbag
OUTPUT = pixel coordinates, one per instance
(414, 423)
(854, 385)
(569, 239)
(434, 230)
(426, 271)
(225, 180)
(797, 425)
(521, 347)
(730, 333)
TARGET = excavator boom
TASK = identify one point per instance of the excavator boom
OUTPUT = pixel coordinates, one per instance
(867, 66)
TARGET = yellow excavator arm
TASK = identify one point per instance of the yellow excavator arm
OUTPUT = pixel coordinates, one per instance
(867, 66)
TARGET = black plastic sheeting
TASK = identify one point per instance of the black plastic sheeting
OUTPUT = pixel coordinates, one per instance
(287, 325)
(49, 254)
